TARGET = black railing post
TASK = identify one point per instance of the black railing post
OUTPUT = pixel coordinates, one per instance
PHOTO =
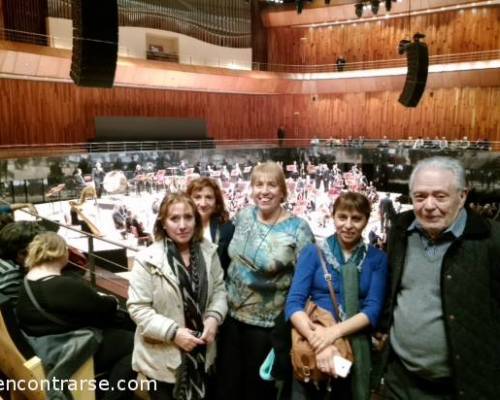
(12, 192)
(26, 191)
(91, 257)
(43, 190)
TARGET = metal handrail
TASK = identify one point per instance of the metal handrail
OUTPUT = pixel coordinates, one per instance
(484, 55)
(220, 144)
(69, 227)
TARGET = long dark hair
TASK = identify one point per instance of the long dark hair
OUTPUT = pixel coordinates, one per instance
(220, 214)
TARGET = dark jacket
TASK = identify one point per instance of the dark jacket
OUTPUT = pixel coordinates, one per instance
(226, 232)
(470, 293)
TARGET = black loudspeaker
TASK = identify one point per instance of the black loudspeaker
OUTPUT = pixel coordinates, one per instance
(417, 56)
(95, 42)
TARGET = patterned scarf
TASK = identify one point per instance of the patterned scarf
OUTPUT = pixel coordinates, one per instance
(352, 267)
(193, 284)
(350, 272)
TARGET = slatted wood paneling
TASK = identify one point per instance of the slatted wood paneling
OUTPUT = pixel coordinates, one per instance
(39, 112)
(448, 32)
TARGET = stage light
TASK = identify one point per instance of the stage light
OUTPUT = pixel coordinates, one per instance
(375, 5)
(359, 9)
(300, 6)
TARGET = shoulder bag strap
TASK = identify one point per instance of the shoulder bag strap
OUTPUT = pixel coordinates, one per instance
(329, 279)
(47, 315)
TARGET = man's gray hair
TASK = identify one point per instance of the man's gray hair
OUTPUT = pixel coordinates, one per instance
(441, 163)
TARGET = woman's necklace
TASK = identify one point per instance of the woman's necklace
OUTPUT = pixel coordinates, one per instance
(250, 235)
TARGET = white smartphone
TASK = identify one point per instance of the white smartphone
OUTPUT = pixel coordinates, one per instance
(342, 366)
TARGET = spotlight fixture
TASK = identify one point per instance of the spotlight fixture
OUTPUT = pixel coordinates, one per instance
(300, 5)
(359, 9)
(375, 5)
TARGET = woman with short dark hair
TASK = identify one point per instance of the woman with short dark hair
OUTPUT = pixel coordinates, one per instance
(359, 274)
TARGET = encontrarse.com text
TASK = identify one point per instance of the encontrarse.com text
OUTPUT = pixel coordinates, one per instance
(75, 384)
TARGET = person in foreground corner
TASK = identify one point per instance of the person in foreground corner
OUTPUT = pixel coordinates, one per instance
(359, 274)
(178, 299)
(443, 309)
(66, 320)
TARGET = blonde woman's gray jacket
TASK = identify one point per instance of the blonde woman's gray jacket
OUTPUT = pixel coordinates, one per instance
(155, 304)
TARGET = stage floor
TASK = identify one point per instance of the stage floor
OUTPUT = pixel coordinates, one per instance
(99, 212)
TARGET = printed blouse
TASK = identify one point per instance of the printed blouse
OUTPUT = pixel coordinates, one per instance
(262, 265)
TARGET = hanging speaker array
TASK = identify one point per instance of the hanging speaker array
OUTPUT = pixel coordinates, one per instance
(95, 42)
(417, 56)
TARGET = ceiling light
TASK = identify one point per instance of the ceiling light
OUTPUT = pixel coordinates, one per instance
(359, 9)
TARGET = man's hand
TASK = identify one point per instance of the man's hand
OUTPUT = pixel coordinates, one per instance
(379, 340)
(211, 325)
(185, 340)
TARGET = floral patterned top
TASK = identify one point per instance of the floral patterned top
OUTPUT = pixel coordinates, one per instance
(262, 265)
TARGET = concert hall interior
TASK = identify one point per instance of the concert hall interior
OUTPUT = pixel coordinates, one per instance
(107, 106)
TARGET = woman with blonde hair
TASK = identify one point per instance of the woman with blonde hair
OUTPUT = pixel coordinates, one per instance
(69, 304)
(263, 251)
(177, 299)
(217, 228)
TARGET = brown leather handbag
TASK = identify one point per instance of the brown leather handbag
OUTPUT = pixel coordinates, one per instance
(302, 354)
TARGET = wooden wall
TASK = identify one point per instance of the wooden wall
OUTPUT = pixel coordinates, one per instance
(40, 112)
(446, 32)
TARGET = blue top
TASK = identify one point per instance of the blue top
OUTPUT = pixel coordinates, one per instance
(5, 209)
(263, 261)
(310, 281)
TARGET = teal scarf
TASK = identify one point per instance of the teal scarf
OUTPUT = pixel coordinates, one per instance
(350, 272)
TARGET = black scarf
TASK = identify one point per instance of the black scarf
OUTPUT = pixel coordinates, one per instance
(193, 284)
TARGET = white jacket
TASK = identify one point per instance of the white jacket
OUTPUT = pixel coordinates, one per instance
(155, 304)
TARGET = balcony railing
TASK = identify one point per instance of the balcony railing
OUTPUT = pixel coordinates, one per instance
(233, 64)
(20, 151)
